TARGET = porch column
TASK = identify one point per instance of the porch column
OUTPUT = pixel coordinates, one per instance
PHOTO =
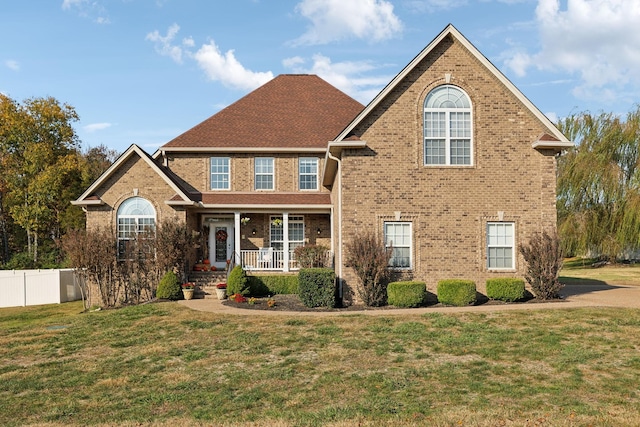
(285, 240)
(236, 238)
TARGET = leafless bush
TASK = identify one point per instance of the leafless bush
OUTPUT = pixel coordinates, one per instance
(544, 261)
(369, 258)
(93, 256)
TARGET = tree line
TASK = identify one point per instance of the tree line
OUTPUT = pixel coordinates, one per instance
(43, 169)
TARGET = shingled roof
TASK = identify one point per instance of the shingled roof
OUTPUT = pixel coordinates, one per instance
(290, 111)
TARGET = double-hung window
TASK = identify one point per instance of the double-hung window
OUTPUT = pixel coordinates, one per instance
(308, 173)
(296, 232)
(264, 173)
(447, 127)
(219, 173)
(397, 237)
(500, 245)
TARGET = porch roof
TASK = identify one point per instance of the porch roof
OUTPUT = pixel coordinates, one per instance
(262, 200)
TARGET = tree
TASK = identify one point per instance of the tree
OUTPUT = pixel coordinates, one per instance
(41, 169)
(599, 185)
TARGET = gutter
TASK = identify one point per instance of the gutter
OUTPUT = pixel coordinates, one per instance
(339, 248)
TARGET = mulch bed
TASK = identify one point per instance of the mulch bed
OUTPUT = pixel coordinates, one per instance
(293, 303)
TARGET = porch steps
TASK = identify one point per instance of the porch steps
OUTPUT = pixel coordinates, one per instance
(206, 282)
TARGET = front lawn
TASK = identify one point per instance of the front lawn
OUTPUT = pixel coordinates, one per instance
(165, 364)
(614, 274)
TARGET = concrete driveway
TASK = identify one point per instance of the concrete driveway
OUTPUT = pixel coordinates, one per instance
(596, 295)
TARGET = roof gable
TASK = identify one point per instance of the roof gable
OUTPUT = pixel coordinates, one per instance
(89, 198)
(290, 111)
(450, 30)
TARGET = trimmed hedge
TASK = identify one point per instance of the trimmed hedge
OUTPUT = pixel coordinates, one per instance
(505, 289)
(406, 294)
(273, 284)
(169, 288)
(457, 292)
(316, 287)
(237, 282)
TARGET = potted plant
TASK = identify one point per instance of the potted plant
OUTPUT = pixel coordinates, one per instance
(221, 290)
(188, 289)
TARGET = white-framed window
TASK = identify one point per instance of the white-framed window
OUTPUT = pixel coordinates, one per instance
(264, 173)
(308, 173)
(500, 246)
(397, 235)
(135, 217)
(296, 232)
(220, 173)
(447, 127)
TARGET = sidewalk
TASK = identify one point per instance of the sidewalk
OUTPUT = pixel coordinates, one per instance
(575, 296)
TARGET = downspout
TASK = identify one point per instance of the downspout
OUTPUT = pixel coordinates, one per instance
(339, 248)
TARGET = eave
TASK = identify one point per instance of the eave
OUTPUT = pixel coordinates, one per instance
(334, 152)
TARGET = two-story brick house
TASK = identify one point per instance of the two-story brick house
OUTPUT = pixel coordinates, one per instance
(451, 163)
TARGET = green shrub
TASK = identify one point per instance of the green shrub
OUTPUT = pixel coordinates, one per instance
(457, 292)
(273, 284)
(505, 289)
(406, 294)
(169, 287)
(237, 283)
(316, 287)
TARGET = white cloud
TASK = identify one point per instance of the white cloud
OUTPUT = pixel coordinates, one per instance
(218, 66)
(164, 44)
(93, 10)
(226, 69)
(12, 64)
(96, 126)
(430, 6)
(333, 20)
(594, 39)
(67, 4)
(350, 77)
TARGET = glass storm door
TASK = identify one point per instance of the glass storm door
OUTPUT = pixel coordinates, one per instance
(220, 244)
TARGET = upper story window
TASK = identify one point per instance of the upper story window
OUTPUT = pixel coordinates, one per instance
(308, 173)
(447, 127)
(220, 173)
(264, 173)
(136, 217)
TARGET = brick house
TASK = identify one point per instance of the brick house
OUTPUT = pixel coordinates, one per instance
(451, 163)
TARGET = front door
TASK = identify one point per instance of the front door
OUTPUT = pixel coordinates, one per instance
(220, 243)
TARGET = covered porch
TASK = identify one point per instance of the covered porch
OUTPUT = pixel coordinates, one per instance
(262, 240)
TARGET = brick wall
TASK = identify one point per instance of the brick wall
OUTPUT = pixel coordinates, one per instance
(134, 177)
(449, 206)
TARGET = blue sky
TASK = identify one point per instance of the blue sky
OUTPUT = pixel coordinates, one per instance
(144, 71)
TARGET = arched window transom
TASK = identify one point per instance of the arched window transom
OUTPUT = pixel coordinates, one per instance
(447, 127)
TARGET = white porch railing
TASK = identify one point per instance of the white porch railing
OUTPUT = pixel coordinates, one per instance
(270, 259)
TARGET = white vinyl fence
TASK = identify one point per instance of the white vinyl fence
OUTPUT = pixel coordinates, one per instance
(35, 287)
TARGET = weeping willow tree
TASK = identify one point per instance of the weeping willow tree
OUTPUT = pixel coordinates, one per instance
(599, 185)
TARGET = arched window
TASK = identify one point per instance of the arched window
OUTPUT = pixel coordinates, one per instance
(447, 127)
(135, 216)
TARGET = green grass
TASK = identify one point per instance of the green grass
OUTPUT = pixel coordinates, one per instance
(164, 364)
(576, 270)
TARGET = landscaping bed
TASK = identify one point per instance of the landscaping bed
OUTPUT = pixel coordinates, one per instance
(293, 303)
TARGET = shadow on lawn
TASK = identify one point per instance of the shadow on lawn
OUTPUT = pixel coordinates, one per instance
(576, 286)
